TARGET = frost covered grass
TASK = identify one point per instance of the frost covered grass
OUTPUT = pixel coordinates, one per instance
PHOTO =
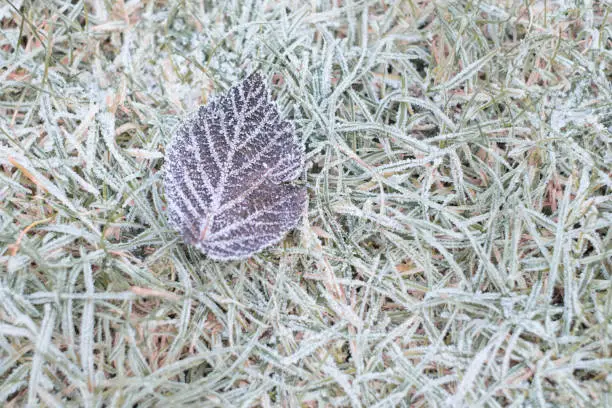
(456, 250)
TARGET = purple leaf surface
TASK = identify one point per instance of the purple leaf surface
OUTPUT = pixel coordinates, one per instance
(228, 173)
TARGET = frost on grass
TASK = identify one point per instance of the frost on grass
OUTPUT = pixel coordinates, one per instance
(228, 169)
(458, 239)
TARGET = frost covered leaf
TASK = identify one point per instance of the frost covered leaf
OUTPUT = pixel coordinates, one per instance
(227, 173)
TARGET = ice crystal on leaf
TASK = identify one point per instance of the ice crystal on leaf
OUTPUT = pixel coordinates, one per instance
(228, 170)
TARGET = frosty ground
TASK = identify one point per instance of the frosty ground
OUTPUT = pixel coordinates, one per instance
(456, 246)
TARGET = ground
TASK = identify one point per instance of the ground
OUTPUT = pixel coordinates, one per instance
(456, 247)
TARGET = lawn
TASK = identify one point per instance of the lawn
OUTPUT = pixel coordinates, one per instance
(456, 246)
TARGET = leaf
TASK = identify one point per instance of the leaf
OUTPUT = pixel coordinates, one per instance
(228, 170)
